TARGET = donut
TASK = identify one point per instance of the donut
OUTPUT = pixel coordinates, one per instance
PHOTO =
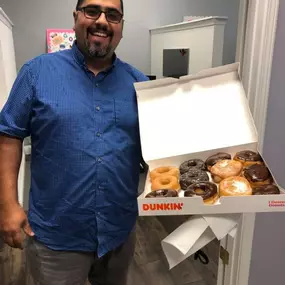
(187, 165)
(266, 190)
(162, 193)
(207, 190)
(235, 186)
(194, 175)
(212, 160)
(165, 182)
(248, 157)
(226, 168)
(257, 175)
(165, 170)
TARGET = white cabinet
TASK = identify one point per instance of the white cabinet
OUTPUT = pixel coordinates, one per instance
(203, 37)
(7, 57)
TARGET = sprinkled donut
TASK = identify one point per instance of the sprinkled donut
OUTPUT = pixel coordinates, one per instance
(193, 176)
(188, 165)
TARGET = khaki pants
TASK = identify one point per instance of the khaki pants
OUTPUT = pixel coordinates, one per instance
(49, 267)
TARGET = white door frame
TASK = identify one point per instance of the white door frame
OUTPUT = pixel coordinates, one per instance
(255, 47)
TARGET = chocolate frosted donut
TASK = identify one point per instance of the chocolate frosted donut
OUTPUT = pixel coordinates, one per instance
(194, 175)
(163, 193)
(207, 190)
(212, 160)
(248, 157)
(257, 174)
(187, 165)
(266, 190)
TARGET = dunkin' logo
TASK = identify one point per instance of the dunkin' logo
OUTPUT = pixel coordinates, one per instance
(276, 203)
(163, 207)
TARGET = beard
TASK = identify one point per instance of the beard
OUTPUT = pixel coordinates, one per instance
(96, 50)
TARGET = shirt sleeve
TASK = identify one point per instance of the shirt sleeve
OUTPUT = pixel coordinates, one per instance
(15, 117)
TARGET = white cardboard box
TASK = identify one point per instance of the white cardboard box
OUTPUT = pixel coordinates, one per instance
(197, 116)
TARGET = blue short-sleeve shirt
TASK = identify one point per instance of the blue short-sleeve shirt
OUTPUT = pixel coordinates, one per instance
(85, 149)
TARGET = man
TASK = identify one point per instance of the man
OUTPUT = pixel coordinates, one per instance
(79, 107)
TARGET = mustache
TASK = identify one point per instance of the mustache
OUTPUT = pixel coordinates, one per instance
(100, 29)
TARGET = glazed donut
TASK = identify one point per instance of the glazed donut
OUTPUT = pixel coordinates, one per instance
(187, 165)
(226, 168)
(266, 190)
(235, 186)
(248, 157)
(165, 170)
(162, 193)
(207, 190)
(193, 176)
(212, 160)
(257, 175)
(165, 182)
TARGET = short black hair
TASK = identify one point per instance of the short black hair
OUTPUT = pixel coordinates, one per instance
(79, 3)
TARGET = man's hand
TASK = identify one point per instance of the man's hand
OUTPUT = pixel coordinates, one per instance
(13, 220)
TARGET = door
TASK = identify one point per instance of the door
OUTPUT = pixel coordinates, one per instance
(3, 88)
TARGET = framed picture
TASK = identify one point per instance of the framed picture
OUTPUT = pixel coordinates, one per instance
(59, 39)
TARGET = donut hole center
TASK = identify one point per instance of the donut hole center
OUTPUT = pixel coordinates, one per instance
(192, 163)
(165, 181)
(199, 191)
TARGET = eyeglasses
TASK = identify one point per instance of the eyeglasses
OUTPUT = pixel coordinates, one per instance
(95, 12)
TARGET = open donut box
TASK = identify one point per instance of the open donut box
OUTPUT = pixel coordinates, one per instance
(195, 117)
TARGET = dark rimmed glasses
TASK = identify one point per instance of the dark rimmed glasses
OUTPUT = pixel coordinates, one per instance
(95, 12)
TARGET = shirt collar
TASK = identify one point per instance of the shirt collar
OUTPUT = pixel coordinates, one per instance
(79, 57)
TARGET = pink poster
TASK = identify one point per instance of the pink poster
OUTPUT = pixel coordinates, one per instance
(59, 39)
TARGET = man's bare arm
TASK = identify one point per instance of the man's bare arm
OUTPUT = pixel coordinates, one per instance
(10, 160)
(12, 216)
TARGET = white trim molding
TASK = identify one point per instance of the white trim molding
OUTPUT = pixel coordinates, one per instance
(5, 19)
(242, 24)
(257, 59)
(256, 56)
(198, 23)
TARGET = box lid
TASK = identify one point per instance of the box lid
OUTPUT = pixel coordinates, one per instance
(195, 113)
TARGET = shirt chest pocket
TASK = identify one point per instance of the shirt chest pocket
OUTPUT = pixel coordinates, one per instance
(126, 124)
(126, 115)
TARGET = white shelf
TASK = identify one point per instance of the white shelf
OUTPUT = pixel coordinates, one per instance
(204, 38)
(203, 22)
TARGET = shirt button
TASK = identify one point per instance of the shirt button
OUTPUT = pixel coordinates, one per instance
(98, 134)
(98, 108)
(97, 84)
(99, 159)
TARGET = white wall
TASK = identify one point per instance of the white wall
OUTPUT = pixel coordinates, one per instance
(33, 17)
(269, 239)
(7, 58)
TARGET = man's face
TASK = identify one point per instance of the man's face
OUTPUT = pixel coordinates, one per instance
(98, 38)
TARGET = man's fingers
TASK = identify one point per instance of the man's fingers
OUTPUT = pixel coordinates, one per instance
(9, 241)
(18, 240)
(27, 229)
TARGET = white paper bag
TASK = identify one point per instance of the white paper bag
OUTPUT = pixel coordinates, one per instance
(196, 233)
